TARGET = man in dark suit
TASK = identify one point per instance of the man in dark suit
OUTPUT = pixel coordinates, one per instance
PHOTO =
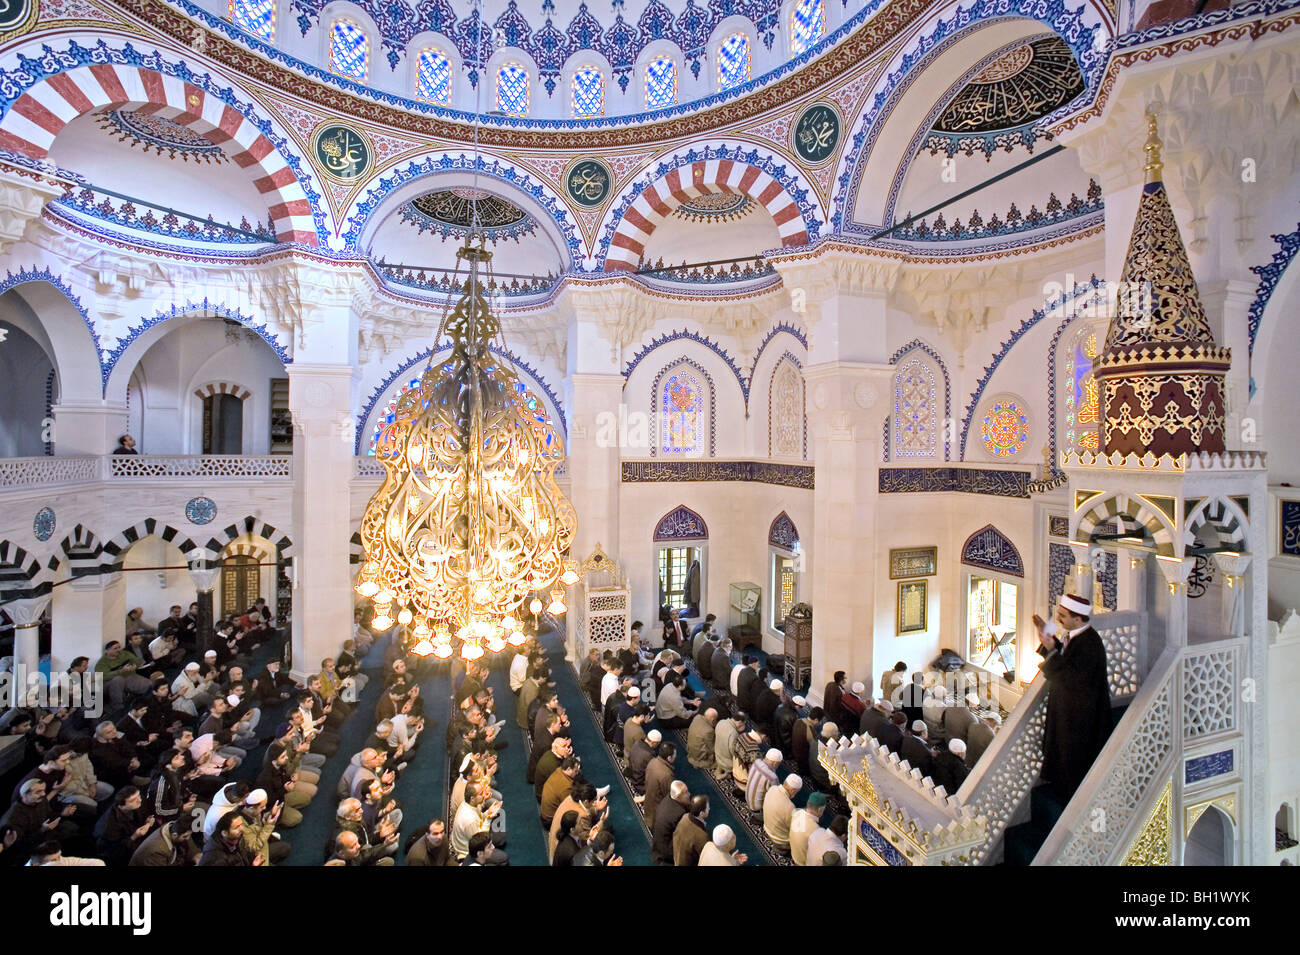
(766, 700)
(890, 734)
(1078, 701)
(675, 632)
(720, 666)
(703, 652)
(875, 717)
(950, 767)
(747, 684)
(917, 751)
(914, 697)
(832, 696)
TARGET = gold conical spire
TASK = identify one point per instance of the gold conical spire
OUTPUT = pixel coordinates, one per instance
(1155, 165)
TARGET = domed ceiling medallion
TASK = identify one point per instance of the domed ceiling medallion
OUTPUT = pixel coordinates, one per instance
(450, 212)
(715, 207)
(588, 182)
(816, 133)
(161, 135)
(343, 152)
(1022, 85)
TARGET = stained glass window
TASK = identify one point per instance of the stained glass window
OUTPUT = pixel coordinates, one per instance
(588, 93)
(807, 24)
(733, 61)
(349, 50)
(785, 427)
(1006, 429)
(683, 425)
(389, 414)
(660, 83)
(1080, 394)
(915, 411)
(255, 16)
(512, 90)
(433, 78)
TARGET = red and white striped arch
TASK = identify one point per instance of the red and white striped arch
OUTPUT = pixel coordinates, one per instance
(40, 114)
(658, 200)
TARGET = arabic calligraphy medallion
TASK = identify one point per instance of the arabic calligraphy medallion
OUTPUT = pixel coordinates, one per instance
(342, 152)
(816, 133)
(588, 182)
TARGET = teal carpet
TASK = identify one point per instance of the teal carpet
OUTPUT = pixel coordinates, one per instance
(526, 841)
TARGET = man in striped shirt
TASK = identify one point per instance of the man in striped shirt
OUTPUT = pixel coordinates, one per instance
(762, 775)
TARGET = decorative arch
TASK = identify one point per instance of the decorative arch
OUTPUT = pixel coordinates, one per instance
(681, 524)
(763, 176)
(780, 328)
(686, 335)
(22, 575)
(117, 548)
(656, 201)
(1101, 510)
(933, 355)
(1270, 275)
(1225, 517)
(990, 549)
(82, 550)
(72, 361)
(531, 373)
(204, 309)
(356, 551)
(61, 87)
(656, 412)
(223, 388)
(782, 532)
(791, 413)
(228, 538)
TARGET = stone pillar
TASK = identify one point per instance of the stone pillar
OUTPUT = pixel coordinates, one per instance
(87, 612)
(88, 426)
(1176, 571)
(1227, 306)
(26, 612)
(1131, 582)
(320, 400)
(205, 579)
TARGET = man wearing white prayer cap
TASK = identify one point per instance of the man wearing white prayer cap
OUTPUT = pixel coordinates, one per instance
(1078, 701)
(762, 776)
(720, 850)
(778, 810)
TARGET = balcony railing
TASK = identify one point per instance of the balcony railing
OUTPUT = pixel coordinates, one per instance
(87, 469)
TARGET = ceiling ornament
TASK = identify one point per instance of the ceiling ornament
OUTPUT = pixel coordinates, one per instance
(715, 207)
(1025, 84)
(450, 214)
(152, 132)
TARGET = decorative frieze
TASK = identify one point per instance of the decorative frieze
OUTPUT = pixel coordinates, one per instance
(965, 480)
(759, 472)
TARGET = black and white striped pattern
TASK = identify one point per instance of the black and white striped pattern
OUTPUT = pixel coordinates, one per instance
(21, 574)
(1100, 511)
(115, 550)
(254, 527)
(83, 551)
(1224, 517)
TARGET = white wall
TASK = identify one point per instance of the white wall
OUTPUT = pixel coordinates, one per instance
(156, 590)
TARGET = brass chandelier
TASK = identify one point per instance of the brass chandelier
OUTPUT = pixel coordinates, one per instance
(469, 522)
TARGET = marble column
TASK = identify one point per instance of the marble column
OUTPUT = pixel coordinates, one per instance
(205, 579)
(26, 612)
(87, 612)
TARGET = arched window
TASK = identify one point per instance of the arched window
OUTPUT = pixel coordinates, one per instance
(733, 61)
(389, 414)
(349, 50)
(916, 411)
(255, 16)
(807, 24)
(785, 412)
(1079, 395)
(684, 417)
(512, 90)
(433, 78)
(588, 93)
(660, 83)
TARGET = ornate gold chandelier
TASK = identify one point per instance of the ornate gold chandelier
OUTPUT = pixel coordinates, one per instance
(469, 522)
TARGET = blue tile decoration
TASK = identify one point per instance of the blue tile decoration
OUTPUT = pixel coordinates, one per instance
(989, 548)
(164, 136)
(124, 213)
(1200, 768)
(688, 335)
(1054, 212)
(758, 472)
(947, 390)
(968, 144)
(200, 510)
(421, 357)
(1107, 578)
(880, 845)
(1289, 528)
(43, 524)
(681, 524)
(964, 480)
(1060, 562)
(783, 533)
(1269, 276)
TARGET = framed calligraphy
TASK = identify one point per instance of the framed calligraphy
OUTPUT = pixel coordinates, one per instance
(588, 182)
(912, 601)
(913, 562)
(816, 133)
(342, 152)
(1289, 528)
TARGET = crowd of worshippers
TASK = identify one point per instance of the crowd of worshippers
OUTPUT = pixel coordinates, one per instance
(162, 776)
(739, 730)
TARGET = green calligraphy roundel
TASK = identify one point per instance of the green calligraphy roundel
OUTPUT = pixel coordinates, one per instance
(816, 133)
(342, 152)
(588, 182)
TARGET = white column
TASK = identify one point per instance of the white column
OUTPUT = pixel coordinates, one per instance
(26, 612)
(88, 426)
(88, 611)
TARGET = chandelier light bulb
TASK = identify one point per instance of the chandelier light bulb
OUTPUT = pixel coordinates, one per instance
(569, 577)
(367, 588)
(442, 650)
(381, 623)
(534, 606)
(404, 616)
(509, 623)
(471, 651)
(516, 638)
(495, 643)
(557, 602)
(383, 597)
(423, 647)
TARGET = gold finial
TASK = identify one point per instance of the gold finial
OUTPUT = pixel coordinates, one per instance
(1154, 167)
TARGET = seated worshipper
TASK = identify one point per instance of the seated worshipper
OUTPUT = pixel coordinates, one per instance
(980, 736)
(875, 716)
(528, 691)
(350, 817)
(336, 688)
(634, 729)
(766, 701)
(916, 749)
(704, 626)
(912, 700)
(430, 847)
(592, 677)
(854, 703)
(659, 776)
(552, 727)
(589, 803)
(225, 801)
(519, 665)
(599, 851)
(833, 697)
(745, 682)
(191, 691)
(53, 771)
(890, 734)
(724, 736)
(226, 846)
(609, 719)
(950, 767)
(803, 739)
(803, 824)
(626, 710)
(348, 850)
(932, 710)
(762, 776)
(135, 623)
(567, 844)
(361, 635)
(475, 815)
(378, 806)
(668, 813)
(702, 653)
(557, 789)
(783, 720)
(778, 809)
(891, 682)
(720, 667)
(700, 739)
(638, 760)
(830, 841)
(692, 833)
(259, 824)
(121, 680)
(745, 751)
(32, 819)
(348, 666)
(820, 776)
(721, 849)
(116, 760)
(283, 788)
(169, 794)
(675, 629)
(165, 650)
(541, 709)
(120, 831)
(323, 742)
(172, 844)
(958, 719)
(613, 677)
(333, 708)
(81, 787)
(670, 710)
(560, 750)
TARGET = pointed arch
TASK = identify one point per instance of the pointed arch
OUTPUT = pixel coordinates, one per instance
(782, 532)
(990, 549)
(787, 424)
(117, 548)
(681, 524)
(1098, 511)
(681, 414)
